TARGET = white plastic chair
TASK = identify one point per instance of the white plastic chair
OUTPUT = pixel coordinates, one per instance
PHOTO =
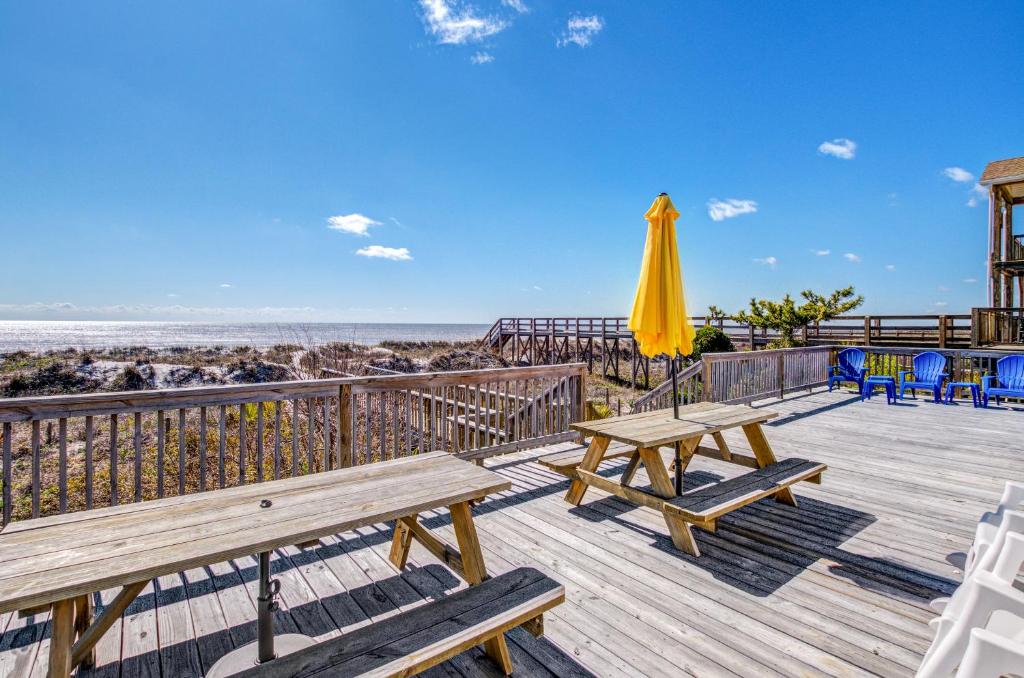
(991, 532)
(982, 602)
(990, 654)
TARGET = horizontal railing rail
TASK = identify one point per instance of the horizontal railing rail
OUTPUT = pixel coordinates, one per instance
(70, 452)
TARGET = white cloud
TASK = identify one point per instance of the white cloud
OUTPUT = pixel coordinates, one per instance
(767, 261)
(890, 267)
(822, 253)
(841, 148)
(356, 224)
(517, 5)
(482, 58)
(381, 252)
(940, 304)
(977, 194)
(720, 210)
(958, 174)
(970, 281)
(580, 30)
(850, 256)
(170, 295)
(455, 25)
(532, 288)
(225, 285)
(942, 288)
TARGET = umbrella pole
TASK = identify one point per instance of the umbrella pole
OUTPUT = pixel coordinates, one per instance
(675, 413)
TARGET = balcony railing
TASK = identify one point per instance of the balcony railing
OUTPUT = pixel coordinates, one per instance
(64, 453)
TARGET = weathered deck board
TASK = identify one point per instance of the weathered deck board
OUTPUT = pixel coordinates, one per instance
(836, 587)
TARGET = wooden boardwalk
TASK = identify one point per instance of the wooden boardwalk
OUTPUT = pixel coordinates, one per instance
(838, 586)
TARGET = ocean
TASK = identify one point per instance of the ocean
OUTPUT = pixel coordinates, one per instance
(44, 335)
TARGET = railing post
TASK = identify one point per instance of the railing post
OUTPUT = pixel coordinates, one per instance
(975, 327)
(942, 331)
(867, 330)
(781, 358)
(750, 336)
(706, 385)
(581, 396)
(344, 442)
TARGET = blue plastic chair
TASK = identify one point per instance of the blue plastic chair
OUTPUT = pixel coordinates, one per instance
(1008, 381)
(928, 373)
(850, 368)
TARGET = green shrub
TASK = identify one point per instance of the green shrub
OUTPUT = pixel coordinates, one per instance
(710, 339)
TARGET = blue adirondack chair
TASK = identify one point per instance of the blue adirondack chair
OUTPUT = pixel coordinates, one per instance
(850, 367)
(928, 373)
(1007, 382)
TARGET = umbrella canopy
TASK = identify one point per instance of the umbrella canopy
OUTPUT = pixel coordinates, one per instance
(659, 320)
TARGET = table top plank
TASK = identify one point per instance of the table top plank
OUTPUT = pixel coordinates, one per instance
(43, 563)
(662, 428)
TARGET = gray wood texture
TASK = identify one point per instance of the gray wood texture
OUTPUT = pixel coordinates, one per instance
(836, 587)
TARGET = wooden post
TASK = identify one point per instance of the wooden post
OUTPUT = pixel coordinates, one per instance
(782, 374)
(345, 448)
(942, 331)
(975, 327)
(581, 396)
(996, 254)
(706, 385)
(867, 330)
(750, 336)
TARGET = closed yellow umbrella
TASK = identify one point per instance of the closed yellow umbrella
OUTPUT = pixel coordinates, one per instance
(660, 323)
(659, 320)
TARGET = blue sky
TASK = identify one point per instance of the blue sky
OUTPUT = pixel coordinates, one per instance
(440, 161)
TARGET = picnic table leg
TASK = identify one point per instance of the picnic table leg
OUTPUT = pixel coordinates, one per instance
(631, 467)
(62, 636)
(476, 572)
(656, 471)
(591, 460)
(764, 455)
(401, 543)
(83, 618)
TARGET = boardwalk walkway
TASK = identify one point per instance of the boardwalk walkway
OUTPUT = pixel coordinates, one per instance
(836, 587)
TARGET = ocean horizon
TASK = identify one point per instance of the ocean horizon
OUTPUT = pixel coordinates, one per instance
(47, 335)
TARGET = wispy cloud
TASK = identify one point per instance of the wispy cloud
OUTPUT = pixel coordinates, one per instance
(532, 288)
(822, 253)
(720, 210)
(381, 252)
(356, 224)
(840, 148)
(850, 256)
(941, 304)
(977, 194)
(770, 262)
(451, 24)
(970, 281)
(225, 285)
(581, 30)
(170, 295)
(890, 267)
(517, 5)
(958, 174)
(942, 288)
(482, 58)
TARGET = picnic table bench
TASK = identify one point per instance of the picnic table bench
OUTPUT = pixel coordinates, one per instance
(640, 437)
(61, 561)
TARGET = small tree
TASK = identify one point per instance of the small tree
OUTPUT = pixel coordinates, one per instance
(710, 339)
(785, 316)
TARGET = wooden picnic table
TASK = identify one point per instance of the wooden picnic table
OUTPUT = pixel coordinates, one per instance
(61, 561)
(640, 436)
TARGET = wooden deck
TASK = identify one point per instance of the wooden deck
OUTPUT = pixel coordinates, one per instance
(838, 586)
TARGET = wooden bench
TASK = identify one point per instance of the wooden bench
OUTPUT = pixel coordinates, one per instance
(704, 505)
(413, 641)
(565, 462)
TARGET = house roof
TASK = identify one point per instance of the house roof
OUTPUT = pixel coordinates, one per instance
(1012, 169)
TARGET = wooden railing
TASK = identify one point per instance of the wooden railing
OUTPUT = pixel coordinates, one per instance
(547, 339)
(62, 453)
(755, 375)
(997, 326)
(689, 391)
